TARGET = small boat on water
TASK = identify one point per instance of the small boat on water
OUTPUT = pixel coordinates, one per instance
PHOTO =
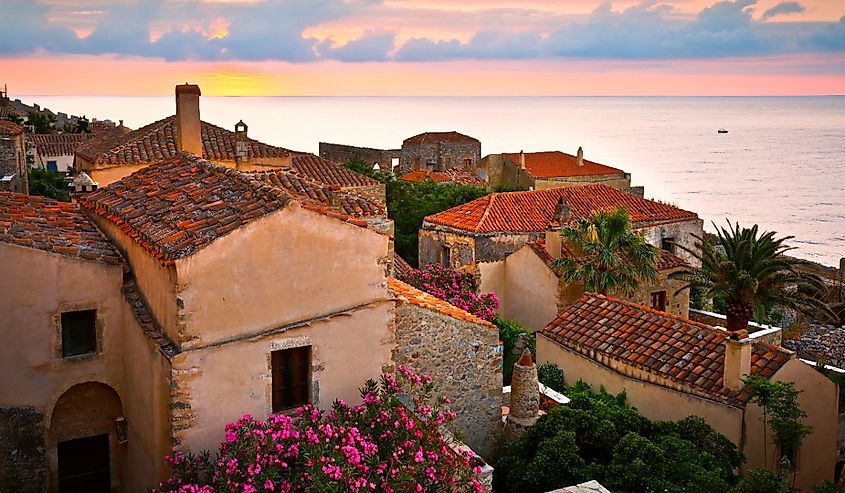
(722, 130)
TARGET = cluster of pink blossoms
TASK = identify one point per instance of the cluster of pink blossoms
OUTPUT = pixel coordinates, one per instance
(378, 445)
(457, 288)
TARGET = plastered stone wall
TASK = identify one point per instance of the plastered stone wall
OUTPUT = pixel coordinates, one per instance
(23, 454)
(682, 232)
(465, 362)
(675, 304)
(617, 181)
(439, 156)
(13, 161)
(340, 153)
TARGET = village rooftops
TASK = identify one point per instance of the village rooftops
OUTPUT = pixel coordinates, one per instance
(401, 266)
(556, 164)
(178, 206)
(56, 227)
(57, 144)
(435, 137)
(452, 175)
(157, 142)
(535, 211)
(406, 292)
(677, 353)
(10, 128)
(329, 173)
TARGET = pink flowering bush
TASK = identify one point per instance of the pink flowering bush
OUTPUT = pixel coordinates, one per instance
(378, 445)
(457, 288)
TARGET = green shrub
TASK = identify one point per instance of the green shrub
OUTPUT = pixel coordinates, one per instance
(509, 331)
(551, 376)
(760, 481)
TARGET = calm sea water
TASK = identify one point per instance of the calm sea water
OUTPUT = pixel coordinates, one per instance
(782, 165)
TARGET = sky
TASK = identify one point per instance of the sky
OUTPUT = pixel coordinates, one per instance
(424, 47)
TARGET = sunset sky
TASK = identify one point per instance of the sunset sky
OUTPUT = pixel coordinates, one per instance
(428, 47)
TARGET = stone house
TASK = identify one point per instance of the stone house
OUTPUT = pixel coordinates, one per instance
(670, 368)
(553, 169)
(438, 151)
(533, 294)
(13, 168)
(55, 152)
(150, 313)
(498, 224)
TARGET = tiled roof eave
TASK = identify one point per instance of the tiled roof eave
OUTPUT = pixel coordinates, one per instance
(735, 399)
(650, 224)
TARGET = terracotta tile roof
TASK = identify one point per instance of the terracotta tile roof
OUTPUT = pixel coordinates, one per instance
(157, 142)
(556, 164)
(8, 127)
(57, 144)
(434, 137)
(534, 211)
(453, 175)
(143, 314)
(685, 354)
(7, 111)
(401, 267)
(406, 292)
(176, 207)
(329, 173)
(668, 260)
(45, 224)
(102, 143)
(300, 187)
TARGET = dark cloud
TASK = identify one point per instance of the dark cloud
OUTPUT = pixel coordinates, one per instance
(783, 8)
(273, 30)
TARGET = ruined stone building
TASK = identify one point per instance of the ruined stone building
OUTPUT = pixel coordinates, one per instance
(151, 312)
(498, 224)
(380, 159)
(542, 170)
(531, 292)
(54, 152)
(13, 168)
(439, 151)
(671, 368)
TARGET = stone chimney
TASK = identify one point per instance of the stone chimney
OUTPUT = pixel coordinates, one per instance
(188, 126)
(553, 242)
(241, 143)
(521, 160)
(525, 397)
(120, 123)
(737, 358)
(579, 158)
(562, 212)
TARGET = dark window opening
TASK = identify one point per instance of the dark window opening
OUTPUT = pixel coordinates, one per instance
(468, 162)
(658, 300)
(668, 244)
(79, 333)
(290, 377)
(445, 256)
(84, 465)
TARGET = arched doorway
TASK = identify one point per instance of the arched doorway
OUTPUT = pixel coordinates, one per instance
(85, 452)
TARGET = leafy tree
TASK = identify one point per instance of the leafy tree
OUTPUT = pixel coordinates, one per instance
(82, 126)
(551, 376)
(752, 274)
(409, 203)
(42, 122)
(48, 184)
(761, 481)
(14, 118)
(507, 187)
(509, 333)
(598, 436)
(362, 168)
(609, 257)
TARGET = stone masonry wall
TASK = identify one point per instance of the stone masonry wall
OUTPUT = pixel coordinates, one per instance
(340, 154)
(439, 156)
(374, 193)
(465, 361)
(682, 232)
(23, 455)
(13, 161)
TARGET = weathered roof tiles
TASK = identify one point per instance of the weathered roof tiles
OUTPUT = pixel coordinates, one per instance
(57, 144)
(57, 227)
(406, 292)
(434, 137)
(556, 164)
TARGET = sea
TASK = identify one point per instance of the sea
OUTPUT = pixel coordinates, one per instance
(781, 165)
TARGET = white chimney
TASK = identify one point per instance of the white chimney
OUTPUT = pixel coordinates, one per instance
(241, 143)
(737, 359)
(579, 159)
(553, 242)
(521, 160)
(188, 126)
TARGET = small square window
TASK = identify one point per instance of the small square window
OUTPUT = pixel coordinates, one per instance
(668, 244)
(658, 300)
(79, 333)
(291, 375)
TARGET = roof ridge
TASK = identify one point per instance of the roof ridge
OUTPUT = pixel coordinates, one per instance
(486, 212)
(467, 316)
(269, 191)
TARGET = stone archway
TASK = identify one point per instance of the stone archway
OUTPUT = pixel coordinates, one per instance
(84, 451)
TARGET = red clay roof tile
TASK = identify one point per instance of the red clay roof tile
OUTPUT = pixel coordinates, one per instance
(406, 292)
(57, 227)
(434, 137)
(534, 211)
(688, 353)
(556, 164)
(401, 267)
(9, 128)
(57, 144)
(329, 173)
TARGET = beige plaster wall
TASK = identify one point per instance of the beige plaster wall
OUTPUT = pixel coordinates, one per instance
(224, 382)
(106, 176)
(289, 266)
(156, 281)
(531, 293)
(651, 400)
(617, 181)
(819, 399)
(675, 304)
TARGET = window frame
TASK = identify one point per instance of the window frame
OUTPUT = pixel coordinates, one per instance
(445, 255)
(92, 339)
(661, 298)
(278, 402)
(668, 241)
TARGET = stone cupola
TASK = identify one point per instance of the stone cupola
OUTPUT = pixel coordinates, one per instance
(525, 396)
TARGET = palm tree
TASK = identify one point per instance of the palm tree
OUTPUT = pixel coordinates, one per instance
(607, 256)
(752, 274)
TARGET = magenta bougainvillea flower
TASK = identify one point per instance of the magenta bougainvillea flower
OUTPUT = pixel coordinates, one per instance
(458, 288)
